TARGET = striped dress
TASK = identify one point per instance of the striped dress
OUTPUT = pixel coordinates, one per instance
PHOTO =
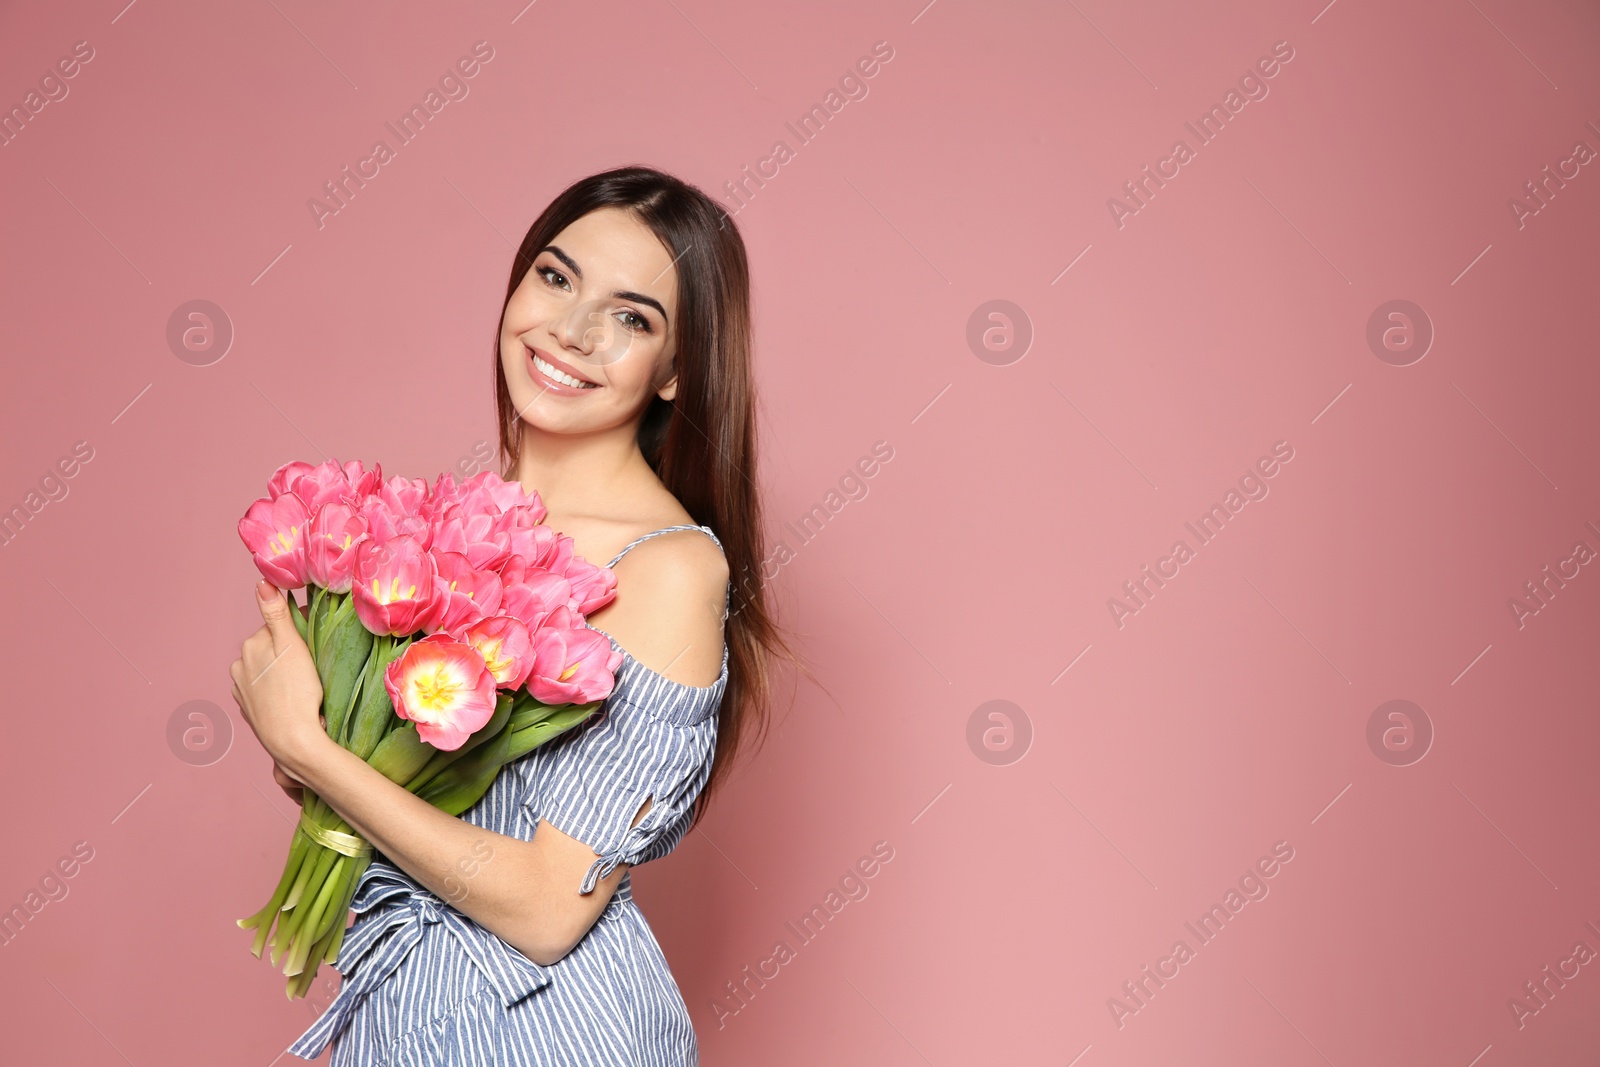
(426, 985)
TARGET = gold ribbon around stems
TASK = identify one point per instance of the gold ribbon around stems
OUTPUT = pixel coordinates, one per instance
(342, 843)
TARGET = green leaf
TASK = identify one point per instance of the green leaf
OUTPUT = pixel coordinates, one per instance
(558, 722)
(318, 612)
(344, 649)
(374, 715)
(401, 754)
(527, 711)
(298, 619)
(487, 732)
(464, 782)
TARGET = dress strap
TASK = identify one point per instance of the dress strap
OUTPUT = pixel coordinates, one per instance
(655, 533)
(727, 598)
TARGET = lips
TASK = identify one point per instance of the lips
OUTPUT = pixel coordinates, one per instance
(536, 355)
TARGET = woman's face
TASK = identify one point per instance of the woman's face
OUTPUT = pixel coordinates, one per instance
(596, 306)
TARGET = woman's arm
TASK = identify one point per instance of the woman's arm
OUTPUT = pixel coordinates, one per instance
(525, 892)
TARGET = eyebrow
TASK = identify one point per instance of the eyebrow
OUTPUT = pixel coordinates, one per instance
(623, 294)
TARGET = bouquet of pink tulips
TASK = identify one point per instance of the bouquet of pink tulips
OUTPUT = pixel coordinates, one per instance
(447, 626)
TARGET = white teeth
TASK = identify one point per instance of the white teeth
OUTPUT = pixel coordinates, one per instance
(565, 379)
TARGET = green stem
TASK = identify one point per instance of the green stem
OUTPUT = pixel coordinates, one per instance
(332, 953)
(299, 984)
(308, 889)
(341, 879)
(307, 868)
(308, 931)
(316, 809)
(262, 921)
(291, 867)
(311, 620)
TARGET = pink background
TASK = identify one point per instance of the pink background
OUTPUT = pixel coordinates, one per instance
(1229, 313)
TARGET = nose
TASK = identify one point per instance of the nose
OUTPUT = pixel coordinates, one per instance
(583, 329)
(590, 332)
(568, 330)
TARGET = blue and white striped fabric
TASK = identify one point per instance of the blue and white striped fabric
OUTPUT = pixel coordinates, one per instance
(426, 985)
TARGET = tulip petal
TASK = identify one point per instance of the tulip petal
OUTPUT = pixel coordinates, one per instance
(444, 687)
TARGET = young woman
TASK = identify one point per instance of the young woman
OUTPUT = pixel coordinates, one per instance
(510, 934)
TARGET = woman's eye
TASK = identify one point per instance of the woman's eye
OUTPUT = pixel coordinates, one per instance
(631, 319)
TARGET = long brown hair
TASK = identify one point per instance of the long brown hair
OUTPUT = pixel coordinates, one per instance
(701, 444)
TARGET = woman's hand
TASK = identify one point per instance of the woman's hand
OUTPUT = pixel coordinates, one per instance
(292, 786)
(276, 685)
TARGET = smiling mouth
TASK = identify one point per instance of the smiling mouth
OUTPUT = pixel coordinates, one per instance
(558, 376)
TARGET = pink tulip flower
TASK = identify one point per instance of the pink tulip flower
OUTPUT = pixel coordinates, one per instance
(539, 546)
(323, 484)
(462, 594)
(362, 481)
(592, 586)
(389, 516)
(444, 687)
(572, 666)
(399, 507)
(393, 585)
(532, 593)
(327, 482)
(507, 497)
(444, 492)
(475, 536)
(522, 517)
(285, 476)
(274, 531)
(506, 647)
(563, 618)
(472, 499)
(337, 530)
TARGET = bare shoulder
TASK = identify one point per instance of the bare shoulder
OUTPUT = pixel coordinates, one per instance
(671, 593)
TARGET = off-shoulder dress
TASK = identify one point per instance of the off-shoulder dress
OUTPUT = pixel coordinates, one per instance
(426, 985)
